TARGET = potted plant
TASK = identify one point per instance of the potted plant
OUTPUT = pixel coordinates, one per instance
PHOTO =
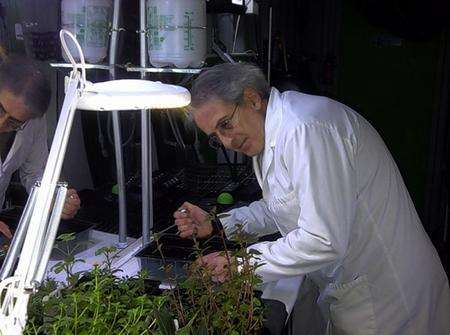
(99, 302)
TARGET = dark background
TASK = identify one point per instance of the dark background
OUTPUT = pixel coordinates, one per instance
(389, 60)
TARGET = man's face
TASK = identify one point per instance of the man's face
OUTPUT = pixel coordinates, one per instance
(13, 111)
(238, 127)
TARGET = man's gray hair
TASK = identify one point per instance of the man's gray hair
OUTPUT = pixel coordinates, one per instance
(227, 82)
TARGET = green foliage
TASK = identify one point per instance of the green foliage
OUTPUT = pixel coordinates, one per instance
(65, 247)
(98, 302)
(203, 306)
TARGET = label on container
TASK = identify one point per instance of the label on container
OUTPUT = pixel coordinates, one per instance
(176, 33)
(158, 23)
(187, 32)
(97, 18)
(89, 24)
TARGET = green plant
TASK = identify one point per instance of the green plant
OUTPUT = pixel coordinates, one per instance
(203, 306)
(100, 302)
(68, 249)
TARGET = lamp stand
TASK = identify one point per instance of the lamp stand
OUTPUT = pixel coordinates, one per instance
(38, 225)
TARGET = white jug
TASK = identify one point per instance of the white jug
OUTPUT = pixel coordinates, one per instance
(176, 32)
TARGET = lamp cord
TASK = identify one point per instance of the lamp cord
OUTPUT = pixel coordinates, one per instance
(62, 34)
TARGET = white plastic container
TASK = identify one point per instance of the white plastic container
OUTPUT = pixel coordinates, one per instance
(176, 32)
(89, 21)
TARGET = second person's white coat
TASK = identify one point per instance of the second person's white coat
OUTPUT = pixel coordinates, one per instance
(333, 191)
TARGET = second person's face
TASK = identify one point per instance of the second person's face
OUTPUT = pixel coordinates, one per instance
(239, 127)
(13, 111)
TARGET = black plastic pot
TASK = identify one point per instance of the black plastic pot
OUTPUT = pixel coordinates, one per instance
(174, 247)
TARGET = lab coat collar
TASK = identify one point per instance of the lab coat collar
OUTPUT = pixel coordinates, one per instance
(271, 129)
(17, 143)
(273, 118)
(18, 139)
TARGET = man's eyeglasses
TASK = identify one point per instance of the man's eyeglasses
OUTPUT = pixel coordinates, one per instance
(224, 128)
(11, 122)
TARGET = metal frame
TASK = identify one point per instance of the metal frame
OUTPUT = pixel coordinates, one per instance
(161, 70)
(122, 243)
(87, 66)
(146, 128)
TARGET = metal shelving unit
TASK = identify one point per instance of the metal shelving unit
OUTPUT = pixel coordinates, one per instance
(111, 67)
(160, 70)
(87, 66)
(146, 127)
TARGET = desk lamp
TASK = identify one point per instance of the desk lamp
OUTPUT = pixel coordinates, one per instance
(33, 241)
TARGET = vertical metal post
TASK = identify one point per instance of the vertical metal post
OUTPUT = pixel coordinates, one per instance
(269, 47)
(147, 187)
(113, 42)
(120, 181)
(117, 134)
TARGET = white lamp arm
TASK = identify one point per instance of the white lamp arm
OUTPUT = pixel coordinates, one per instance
(41, 231)
(39, 223)
(42, 220)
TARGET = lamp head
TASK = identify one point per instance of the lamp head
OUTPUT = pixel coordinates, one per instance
(125, 94)
(132, 94)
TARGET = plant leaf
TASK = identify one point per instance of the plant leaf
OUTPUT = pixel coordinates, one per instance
(165, 322)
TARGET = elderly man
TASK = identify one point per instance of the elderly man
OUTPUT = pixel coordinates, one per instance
(24, 98)
(333, 191)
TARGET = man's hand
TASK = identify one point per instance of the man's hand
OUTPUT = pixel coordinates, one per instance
(192, 221)
(72, 205)
(219, 265)
(4, 230)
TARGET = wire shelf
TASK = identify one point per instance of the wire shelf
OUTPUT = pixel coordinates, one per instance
(87, 66)
(161, 70)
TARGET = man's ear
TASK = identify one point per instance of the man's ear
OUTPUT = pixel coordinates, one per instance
(252, 98)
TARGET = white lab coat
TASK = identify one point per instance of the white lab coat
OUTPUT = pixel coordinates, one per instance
(28, 154)
(332, 189)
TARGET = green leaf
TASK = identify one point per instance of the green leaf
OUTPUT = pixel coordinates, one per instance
(66, 237)
(105, 250)
(165, 322)
(58, 267)
(187, 329)
(201, 330)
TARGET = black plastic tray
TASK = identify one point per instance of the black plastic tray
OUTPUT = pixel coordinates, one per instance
(12, 217)
(174, 247)
(80, 227)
